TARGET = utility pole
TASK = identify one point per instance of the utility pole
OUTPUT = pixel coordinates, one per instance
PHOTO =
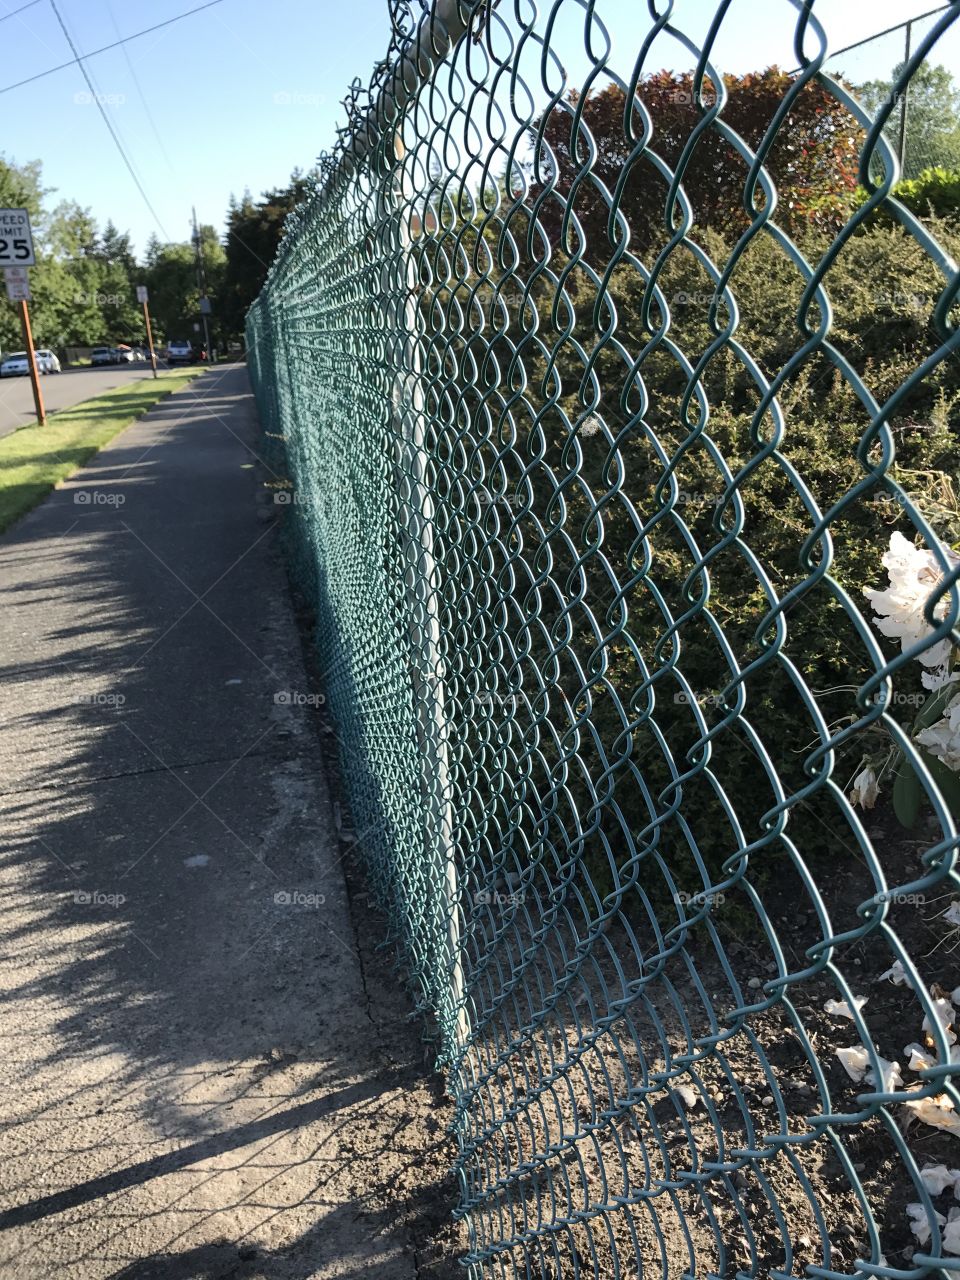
(202, 284)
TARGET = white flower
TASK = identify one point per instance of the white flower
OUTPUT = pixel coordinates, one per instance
(865, 789)
(854, 1061)
(920, 1223)
(895, 974)
(688, 1094)
(937, 1177)
(914, 576)
(951, 1234)
(937, 1112)
(942, 739)
(920, 1058)
(891, 1079)
(840, 1008)
(943, 1011)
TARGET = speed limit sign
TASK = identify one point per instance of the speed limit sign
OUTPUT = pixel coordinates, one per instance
(16, 242)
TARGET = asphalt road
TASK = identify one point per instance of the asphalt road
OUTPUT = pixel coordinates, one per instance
(61, 391)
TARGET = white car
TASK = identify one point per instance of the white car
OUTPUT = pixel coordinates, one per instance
(179, 352)
(47, 361)
(14, 365)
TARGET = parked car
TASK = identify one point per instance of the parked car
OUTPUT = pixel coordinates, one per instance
(47, 361)
(14, 365)
(124, 355)
(179, 352)
(103, 355)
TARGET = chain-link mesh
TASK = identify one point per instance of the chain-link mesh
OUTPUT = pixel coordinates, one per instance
(923, 127)
(607, 384)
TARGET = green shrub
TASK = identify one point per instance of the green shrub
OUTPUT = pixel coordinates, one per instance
(619, 698)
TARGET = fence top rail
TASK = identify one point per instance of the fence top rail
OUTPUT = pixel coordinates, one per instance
(414, 53)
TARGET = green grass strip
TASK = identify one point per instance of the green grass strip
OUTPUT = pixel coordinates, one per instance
(34, 459)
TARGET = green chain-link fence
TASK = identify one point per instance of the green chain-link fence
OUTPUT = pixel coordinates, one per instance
(610, 379)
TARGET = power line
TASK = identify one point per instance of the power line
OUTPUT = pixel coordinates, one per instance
(103, 49)
(139, 88)
(78, 59)
(13, 12)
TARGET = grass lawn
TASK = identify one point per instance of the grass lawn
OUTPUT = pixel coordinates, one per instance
(35, 459)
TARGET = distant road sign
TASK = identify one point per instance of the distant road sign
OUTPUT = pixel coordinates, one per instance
(16, 240)
(18, 283)
(142, 293)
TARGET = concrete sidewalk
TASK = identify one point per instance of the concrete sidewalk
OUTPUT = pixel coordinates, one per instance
(195, 1079)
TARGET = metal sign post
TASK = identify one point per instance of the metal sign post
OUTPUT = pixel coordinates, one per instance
(142, 296)
(32, 362)
(16, 254)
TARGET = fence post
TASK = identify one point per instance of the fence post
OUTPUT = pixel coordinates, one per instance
(902, 148)
(423, 584)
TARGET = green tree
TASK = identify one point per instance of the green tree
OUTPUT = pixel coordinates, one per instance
(120, 275)
(932, 117)
(21, 187)
(171, 277)
(253, 235)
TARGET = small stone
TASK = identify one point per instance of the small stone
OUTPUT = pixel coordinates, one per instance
(754, 984)
(767, 1100)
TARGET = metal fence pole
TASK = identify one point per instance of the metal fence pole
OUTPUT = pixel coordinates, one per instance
(423, 584)
(902, 146)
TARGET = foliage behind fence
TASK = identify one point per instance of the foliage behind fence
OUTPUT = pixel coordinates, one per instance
(605, 392)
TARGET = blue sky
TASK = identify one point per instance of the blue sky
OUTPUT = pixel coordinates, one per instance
(237, 95)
